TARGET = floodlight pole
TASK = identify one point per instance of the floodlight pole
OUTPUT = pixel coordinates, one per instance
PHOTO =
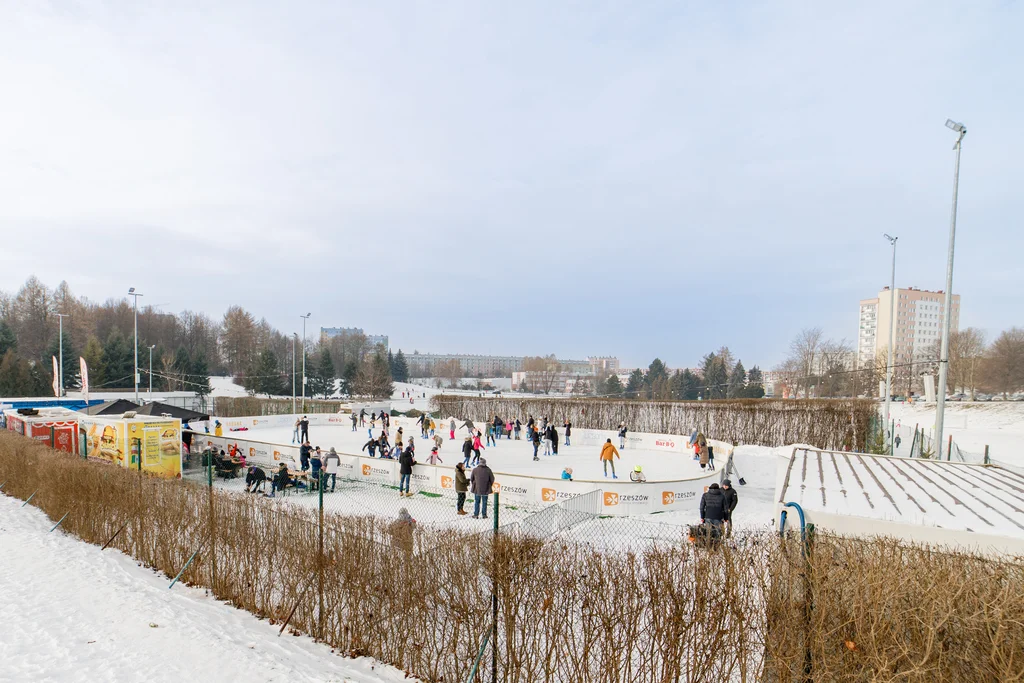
(889, 365)
(304, 319)
(132, 292)
(60, 342)
(940, 407)
(294, 336)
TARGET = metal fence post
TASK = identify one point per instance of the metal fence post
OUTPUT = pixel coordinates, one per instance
(987, 461)
(320, 558)
(949, 450)
(494, 592)
(892, 437)
(211, 522)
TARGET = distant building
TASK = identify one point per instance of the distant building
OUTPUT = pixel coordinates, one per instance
(603, 364)
(371, 339)
(422, 364)
(919, 314)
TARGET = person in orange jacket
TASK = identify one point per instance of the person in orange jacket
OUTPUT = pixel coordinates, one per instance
(608, 452)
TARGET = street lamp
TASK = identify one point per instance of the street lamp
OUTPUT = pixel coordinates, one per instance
(304, 319)
(151, 370)
(132, 292)
(940, 407)
(295, 335)
(892, 333)
(60, 342)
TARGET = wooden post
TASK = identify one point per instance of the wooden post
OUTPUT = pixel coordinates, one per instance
(949, 450)
(987, 460)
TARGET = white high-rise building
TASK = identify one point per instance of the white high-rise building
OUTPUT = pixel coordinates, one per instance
(918, 323)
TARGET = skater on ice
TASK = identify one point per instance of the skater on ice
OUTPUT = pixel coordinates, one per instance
(608, 453)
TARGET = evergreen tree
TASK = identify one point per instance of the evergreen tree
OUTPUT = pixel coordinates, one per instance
(118, 362)
(737, 381)
(200, 375)
(716, 377)
(8, 340)
(93, 355)
(268, 378)
(612, 386)
(17, 378)
(401, 368)
(391, 362)
(71, 369)
(635, 385)
(321, 382)
(182, 369)
(690, 386)
(755, 383)
(348, 376)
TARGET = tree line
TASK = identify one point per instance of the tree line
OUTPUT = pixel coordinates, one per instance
(186, 349)
(719, 376)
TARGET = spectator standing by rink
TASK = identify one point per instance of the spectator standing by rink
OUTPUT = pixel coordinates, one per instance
(304, 425)
(622, 435)
(461, 487)
(482, 482)
(332, 463)
(568, 431)
(608, 452)
(732, 499)
(304, 450)
(406, 461)
(712, 508)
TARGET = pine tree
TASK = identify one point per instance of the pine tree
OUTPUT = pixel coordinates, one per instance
(690, 386)
(635, 384)
(118, 362)
(716, 377)
(93, 355)
(200, 375)
(612, 386)
(391, 363)
(269, 379)
(755, 383)
(182, 369)
(8, 340)
(321, 382)
(737, 381)
(401, 368)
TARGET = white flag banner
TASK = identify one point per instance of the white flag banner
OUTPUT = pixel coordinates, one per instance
(84, 371)
(56, 377)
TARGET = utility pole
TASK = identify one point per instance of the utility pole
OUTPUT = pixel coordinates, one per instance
(889, 365)
(132, 292)
(60, 342)
(294, 336)
(947, 313)
(151, 371)
(304, 319)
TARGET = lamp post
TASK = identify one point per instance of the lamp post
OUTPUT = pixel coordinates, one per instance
(132, 292)
(60, 342)
(304, 319)
(295, 335)
(151, 370)
(892, 333)
(947, 312)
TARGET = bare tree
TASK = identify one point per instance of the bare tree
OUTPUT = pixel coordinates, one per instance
(545, 370)
(450, 370)
(1004, 362)
(804, 351)
(966, 351)
(834, 364)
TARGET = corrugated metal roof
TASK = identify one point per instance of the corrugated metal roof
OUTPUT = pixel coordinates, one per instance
(979, 498)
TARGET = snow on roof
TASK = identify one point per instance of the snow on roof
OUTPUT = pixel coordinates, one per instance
(949, 495)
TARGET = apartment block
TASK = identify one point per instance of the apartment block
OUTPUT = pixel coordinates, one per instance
(916, 322)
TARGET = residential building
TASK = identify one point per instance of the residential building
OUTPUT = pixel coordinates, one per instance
(603, 364)
(918, 316)
(473, 365)
(371, 339)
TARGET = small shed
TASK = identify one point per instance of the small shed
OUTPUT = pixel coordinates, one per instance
(976, 507)
(56, 427)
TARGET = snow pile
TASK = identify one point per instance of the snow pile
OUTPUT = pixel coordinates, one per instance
(74, 613)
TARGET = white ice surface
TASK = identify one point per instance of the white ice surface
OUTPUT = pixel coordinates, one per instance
(73, 613)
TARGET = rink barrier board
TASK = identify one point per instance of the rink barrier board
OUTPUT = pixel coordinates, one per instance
(620, 498)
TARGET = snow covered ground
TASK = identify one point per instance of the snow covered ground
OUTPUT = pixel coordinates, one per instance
(73, 613)
(999, 424)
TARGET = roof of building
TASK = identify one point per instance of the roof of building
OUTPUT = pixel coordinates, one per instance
(982, 499)
(183, 414)
(118, 406)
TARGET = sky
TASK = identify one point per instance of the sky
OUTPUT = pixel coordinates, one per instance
(636, 179)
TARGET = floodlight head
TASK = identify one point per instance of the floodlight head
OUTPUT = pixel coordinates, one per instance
(308, 314)
(953, 125)
(892, 240)
(131, 290)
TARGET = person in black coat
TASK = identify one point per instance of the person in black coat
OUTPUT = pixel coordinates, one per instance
(732, 499)
(568, 431)
(467, 450)
(371, 447)
(304, 450)
(406, 461)
(255, 479)
(712, 507)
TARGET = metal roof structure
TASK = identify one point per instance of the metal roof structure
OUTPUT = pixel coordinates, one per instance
(919, 499)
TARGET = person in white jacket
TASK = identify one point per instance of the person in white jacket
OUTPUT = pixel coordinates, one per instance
(332, 463)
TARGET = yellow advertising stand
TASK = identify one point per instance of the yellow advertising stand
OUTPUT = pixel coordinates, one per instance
(149, 444)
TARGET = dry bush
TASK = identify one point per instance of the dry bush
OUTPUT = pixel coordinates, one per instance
(247, 406)
(853, 610)
(824, 423)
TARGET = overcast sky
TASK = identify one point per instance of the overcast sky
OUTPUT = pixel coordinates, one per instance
(627, 178)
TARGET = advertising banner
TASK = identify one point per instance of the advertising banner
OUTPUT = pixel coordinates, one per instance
(157, 444)
(105, 440)
(83, 370)
(56, 377)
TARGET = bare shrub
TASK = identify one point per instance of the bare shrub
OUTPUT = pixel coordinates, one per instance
(756, 609)
(824, 423)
